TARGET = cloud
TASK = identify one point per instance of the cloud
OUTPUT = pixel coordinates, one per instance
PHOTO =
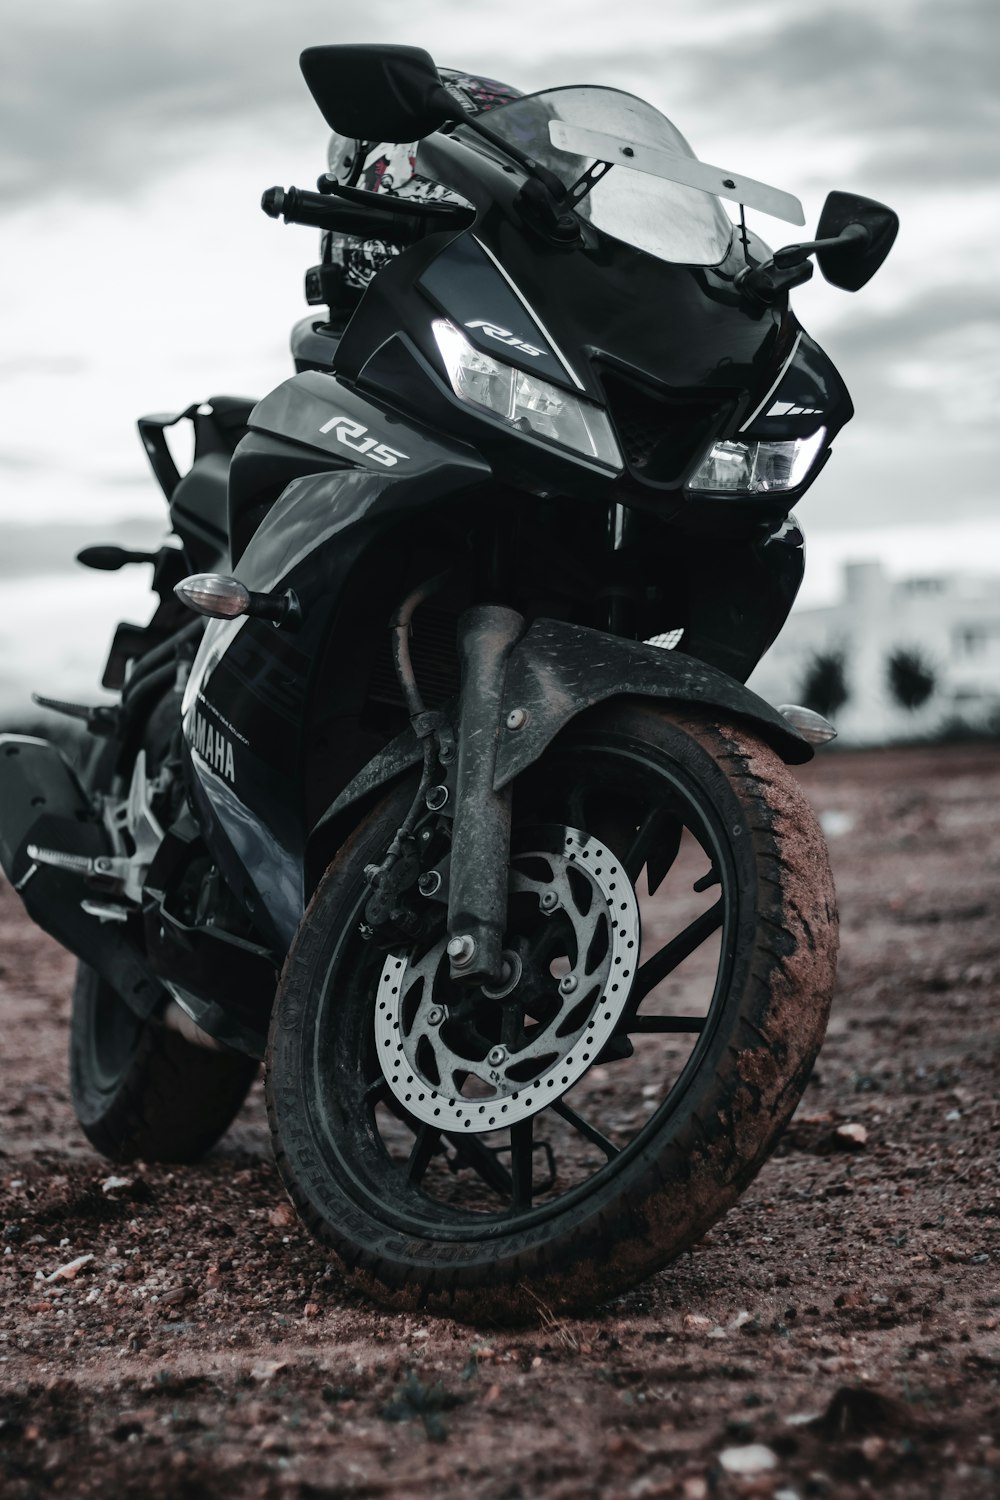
(944, 310)
(94, 98)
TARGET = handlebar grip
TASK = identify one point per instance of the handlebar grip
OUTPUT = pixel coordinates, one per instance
(296, 206)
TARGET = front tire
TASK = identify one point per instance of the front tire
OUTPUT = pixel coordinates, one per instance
(607, 1182)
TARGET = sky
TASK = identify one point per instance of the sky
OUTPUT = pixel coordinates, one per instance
(139, 273)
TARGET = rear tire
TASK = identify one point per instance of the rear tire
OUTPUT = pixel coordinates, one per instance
(409, 1234)
(142, 1091)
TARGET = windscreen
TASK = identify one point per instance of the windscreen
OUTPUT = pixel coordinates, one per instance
(675, 223)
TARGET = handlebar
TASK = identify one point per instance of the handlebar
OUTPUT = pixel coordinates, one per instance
(401, 225)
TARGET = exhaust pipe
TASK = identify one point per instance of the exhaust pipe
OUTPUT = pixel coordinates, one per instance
(44, 812)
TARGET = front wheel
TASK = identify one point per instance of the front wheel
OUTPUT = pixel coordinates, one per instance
(553, 1140)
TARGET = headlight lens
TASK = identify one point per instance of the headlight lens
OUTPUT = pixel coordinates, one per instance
(524, 402)
(757, 468)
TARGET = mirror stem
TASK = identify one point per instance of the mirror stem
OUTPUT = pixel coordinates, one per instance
(851, 234)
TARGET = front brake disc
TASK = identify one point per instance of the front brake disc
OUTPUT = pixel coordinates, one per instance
(464, 1058)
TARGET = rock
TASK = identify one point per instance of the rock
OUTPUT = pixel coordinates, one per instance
(697, 1323)
(281, 1217)
(176, 1295)
(266, 1369)
(312, 1309)
(114, 1184)
(69, 1271)
(852, 1136)
(752, 1458)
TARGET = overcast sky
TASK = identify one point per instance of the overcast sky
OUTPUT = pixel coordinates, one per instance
(139, 273)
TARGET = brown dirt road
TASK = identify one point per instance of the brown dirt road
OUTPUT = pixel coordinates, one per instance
(838, 1334)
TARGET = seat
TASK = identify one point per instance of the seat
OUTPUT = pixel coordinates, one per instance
(199, 502)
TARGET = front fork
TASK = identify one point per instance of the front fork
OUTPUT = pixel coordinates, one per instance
(480, 816)
(480, 842)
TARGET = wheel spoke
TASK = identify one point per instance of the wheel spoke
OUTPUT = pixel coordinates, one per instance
(643, 841)
(424, 1146)
(521, 1161)
(672, 954)
(663, 1024)
(584, 1127)
(655, 845)
(376, 1092)
(472, 1153)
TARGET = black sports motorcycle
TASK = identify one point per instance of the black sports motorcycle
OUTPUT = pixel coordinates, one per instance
(464, 752)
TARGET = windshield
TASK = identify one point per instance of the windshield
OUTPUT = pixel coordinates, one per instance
(666, 219)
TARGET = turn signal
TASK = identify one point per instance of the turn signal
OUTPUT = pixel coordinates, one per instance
(222, 597)
(811, 726)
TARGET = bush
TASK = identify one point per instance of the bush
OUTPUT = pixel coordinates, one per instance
(910, 677)
(824, 685)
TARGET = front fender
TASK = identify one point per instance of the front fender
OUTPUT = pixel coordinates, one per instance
(556, 671)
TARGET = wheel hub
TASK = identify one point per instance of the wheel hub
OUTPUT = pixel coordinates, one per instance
(474, 1060)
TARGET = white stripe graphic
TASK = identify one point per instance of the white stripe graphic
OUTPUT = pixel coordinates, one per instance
(781, 375)
(534, 316)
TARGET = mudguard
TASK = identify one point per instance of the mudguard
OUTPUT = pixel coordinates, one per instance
(555, 672)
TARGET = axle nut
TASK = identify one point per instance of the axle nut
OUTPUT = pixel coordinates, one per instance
(461, 950)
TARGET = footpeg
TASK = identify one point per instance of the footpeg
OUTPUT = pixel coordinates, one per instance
(75, 864)
(104, 911)
(101, 867)
(100, 718)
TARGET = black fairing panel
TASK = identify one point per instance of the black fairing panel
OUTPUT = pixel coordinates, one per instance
(250, 696)
(809, 393)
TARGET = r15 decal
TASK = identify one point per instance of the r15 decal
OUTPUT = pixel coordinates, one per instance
(504, 336)
(352, 435)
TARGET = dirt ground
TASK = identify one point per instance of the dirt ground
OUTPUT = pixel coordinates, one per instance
(837, 1334)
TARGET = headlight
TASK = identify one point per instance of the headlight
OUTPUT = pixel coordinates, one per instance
(757, 468)
(524, 402)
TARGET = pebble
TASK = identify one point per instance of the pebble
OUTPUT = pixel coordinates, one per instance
(69, 1270)
(281, 1217)
(851, 1135)
(112, 1184)
(697, 1323)
(752, 1458)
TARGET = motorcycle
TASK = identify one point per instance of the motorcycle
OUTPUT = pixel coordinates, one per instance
(455, 767)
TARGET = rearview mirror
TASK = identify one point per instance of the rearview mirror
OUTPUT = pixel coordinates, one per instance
(851, 264)
(378, 93)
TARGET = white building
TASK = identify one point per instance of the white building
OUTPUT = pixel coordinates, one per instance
(951, 620)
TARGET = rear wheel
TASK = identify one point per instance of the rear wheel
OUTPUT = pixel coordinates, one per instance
(142, 1091)
(139, 1090)
(670, 959)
